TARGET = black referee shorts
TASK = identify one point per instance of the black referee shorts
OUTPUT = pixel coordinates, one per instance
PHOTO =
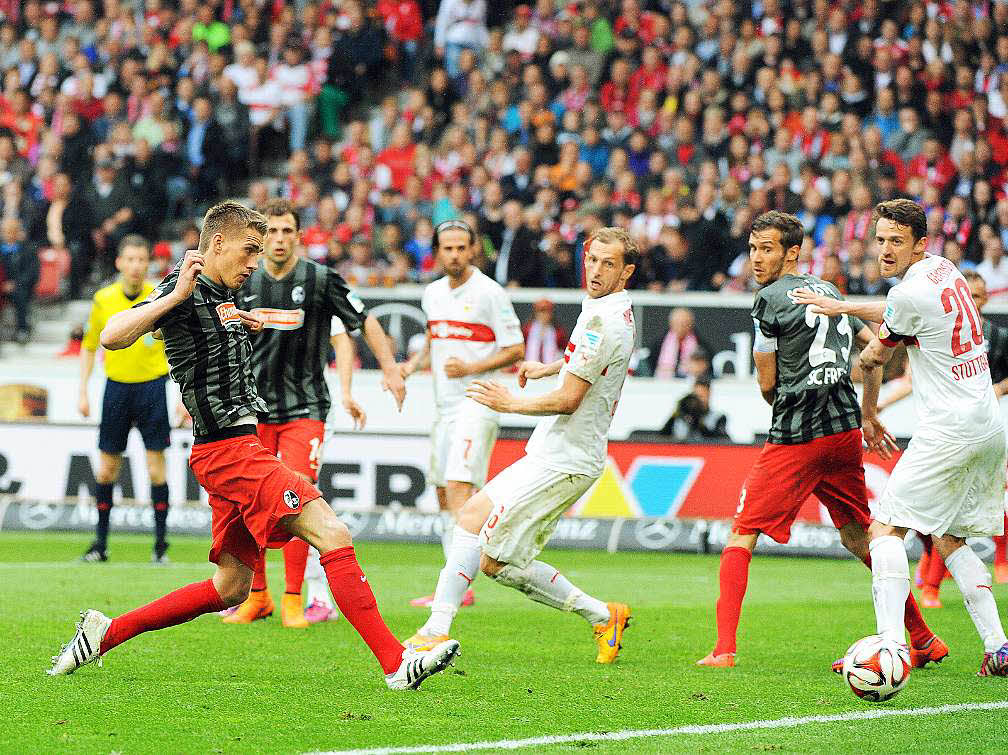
(140, 405)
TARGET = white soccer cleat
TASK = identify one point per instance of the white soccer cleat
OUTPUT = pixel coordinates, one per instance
(85, 645)
(416, 667)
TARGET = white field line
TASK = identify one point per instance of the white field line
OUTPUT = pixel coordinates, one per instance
(618, 736)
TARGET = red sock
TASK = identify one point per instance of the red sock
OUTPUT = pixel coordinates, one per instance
(920, 633)
(353, 595)
(1001, 546)
(295, 558)
(174, 608)
(935, 571)
(259, 574)
(734, 579)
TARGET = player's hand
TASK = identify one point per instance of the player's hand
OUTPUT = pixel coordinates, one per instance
(821, 305)
(530, 371)
(455, 368)
(182, 416)
(84, 406)
(356, 413)
(405, 369)
(192, 266)
(251, 321)
(392, 381)
(877, 438)
(490, 393)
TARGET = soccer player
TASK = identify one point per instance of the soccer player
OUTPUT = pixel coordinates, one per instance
(256, 501)
(950, 481)
(472, 333)
(503, 527)
(299, 301)
(134, 397)
(803, 367)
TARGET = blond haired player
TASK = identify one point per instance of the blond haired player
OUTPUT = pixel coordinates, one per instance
(503, 528)
(472, 332)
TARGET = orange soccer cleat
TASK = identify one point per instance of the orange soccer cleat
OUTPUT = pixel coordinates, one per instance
(292, 612)
(258, 605)
(609, 636)
(934, 651)
(724, 660)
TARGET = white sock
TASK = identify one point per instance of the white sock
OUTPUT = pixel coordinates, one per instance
(315, 583)
(974, 582)
(460, 569)
(546, 585)
(890, 585)
(447, 531)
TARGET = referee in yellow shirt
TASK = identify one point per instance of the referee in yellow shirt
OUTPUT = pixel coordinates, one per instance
(134, 396)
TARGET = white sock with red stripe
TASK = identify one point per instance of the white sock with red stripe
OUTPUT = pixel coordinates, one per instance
(460, 569)
(447, 531)
(546, 585)
(890, 585)
(974, 582)
(316, 586)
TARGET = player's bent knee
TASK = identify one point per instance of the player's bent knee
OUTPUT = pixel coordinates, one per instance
(473, 515)
(233, 587)
(491, 567)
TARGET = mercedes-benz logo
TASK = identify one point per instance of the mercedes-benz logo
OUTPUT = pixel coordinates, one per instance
(657, 534)
(38, 515)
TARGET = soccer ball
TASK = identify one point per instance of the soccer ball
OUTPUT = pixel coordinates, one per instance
(876, 668)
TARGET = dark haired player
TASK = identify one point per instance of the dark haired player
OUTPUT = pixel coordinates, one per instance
(256, 501)
(803, 366)
(472, 332)
(304, 307)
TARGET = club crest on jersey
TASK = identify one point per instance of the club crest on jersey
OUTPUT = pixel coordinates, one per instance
(297, 294)
(228, 313)
(291, 499)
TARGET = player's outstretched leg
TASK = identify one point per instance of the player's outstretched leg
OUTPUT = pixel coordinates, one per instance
(318, 525)
(259, 604)
(546, 585)
(97, 634)
(890, 580)
(925, 646)
(734, 579)
(318, 601)
(974, 583)
(295, 559)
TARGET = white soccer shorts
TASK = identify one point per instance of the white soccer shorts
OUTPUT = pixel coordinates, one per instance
(528, 501)
(461, 444)
(939, 488)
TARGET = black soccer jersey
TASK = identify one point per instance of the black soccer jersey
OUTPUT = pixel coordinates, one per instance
(997, 350)
(209, 354)
(815, 396)
(290, 354)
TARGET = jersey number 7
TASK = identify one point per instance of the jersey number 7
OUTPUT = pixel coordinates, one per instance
(960, 297)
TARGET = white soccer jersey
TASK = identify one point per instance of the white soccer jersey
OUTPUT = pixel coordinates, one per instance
(470, 322)
(598, 352)
(932, 312)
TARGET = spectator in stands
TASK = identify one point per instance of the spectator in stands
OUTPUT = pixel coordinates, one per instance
(519, 261)
(693, 419)
(20, 267)
(994, 268)
(545, 341)
(361, 268)
(206, 151)
(671, 356)
(110, 206)
(460, 24)
(68, 226)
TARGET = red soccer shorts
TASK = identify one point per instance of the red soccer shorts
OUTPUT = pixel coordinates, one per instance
(785, 476)
(250, 491)
(297, 443)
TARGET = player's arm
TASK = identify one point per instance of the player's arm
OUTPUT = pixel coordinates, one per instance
(536, 370)
(766, 374)
(1000, 389)
(872, 311)
(377, 341)
(564, 400)
(344, 347)
(873, 358)
(864, 336)
(124, 328)
(418, 361)
(89, 347)
(505, 357)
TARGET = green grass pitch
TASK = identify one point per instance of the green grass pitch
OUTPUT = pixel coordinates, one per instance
(526, 671)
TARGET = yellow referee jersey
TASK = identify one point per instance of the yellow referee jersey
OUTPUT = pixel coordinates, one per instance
(145, 359)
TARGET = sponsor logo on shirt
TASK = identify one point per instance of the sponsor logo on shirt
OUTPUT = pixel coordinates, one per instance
(280, 319)
(228, 313)
(461, 331)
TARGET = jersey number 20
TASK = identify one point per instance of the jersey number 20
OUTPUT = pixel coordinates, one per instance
(819, 353)
(960, 296)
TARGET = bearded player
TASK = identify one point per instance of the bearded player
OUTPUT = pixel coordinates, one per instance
(803, 366)
(472, 333)
(503, 527)
(256, 501)
(304, 307)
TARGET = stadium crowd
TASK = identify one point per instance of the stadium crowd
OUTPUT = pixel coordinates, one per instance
(537, 123)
